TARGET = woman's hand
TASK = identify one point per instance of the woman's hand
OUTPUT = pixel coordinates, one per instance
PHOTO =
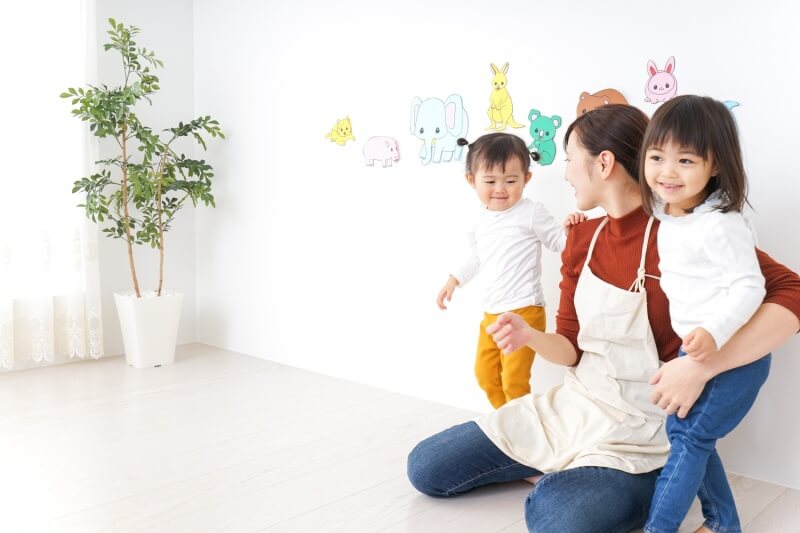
(510, 332)
(678, 384)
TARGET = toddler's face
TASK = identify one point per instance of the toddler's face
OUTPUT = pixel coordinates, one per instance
(498, 188)
(678, 175)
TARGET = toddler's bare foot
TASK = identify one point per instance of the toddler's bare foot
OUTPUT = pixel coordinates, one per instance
(533, 479)
(703, 529)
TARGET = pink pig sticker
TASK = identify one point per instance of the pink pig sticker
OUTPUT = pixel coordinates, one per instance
(662, 84)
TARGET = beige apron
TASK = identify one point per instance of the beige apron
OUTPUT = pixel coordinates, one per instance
(601, 415)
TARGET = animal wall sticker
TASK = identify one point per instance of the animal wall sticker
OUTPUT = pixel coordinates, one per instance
(341, 132)
(439, 124)
(662, 84)
(543, 130)
(587, 102)
(383, 149)
(500, 106)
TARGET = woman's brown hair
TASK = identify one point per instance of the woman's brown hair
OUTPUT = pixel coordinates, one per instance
(617, 128)
(706, 127)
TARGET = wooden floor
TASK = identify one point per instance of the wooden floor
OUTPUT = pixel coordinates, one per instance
(222, 442)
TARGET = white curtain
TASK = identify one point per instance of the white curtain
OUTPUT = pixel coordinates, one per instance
(49, 277)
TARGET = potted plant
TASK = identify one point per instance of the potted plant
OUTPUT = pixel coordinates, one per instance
(137, 192)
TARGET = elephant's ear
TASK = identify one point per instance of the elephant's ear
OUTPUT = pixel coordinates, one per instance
(415, 103)
(454, 114)
(450, 115)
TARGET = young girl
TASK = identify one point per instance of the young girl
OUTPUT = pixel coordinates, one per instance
(696, 185)
(506, 242)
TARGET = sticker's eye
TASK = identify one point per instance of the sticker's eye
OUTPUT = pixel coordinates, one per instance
(668, 86)
(536, 130)
(422, 130)
(437, 130)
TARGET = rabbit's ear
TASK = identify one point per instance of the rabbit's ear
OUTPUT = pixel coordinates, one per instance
(651, 68)
(494, 68)
(670, 65)
(505, 67)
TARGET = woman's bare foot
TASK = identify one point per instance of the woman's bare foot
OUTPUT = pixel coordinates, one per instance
(703, 529)
(533, 479)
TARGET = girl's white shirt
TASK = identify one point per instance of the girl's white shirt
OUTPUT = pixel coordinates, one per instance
(506, 248)
(709, 269)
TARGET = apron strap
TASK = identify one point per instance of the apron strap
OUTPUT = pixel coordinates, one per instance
(638, 283)
(594, 240)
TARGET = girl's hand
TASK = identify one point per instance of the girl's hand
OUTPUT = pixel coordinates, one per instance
(573, 219)
(447, 292)
(510, 332)
(699, 344)
(678, 384)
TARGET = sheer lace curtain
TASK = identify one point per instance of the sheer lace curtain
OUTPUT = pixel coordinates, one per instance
(49, 277)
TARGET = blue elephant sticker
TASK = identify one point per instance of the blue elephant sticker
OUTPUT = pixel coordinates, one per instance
(543, 130)
(439, 124)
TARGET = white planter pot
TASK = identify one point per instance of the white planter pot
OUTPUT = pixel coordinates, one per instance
(149, 327)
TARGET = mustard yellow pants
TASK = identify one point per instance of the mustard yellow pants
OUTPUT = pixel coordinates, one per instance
(505, 377)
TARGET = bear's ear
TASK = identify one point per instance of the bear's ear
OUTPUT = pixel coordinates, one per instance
(584, 94)
(556, 121)
(533, 114)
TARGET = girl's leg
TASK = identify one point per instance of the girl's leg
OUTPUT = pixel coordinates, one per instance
(487, 364)
(460, 459)
(516, 366)
(589, 499)
(722, 405)
(714, 493)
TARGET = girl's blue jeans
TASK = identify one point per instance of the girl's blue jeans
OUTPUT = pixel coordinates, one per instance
(579, 500)
(694, 467)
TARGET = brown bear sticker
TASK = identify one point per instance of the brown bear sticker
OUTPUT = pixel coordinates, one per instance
(587, 101)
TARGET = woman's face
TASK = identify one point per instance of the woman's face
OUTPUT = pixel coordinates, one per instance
(580, 165)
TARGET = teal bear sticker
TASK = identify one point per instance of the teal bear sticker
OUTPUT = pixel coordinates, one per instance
(543, 130)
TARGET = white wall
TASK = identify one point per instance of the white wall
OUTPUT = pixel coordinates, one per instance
(314, 260)
(166, 28)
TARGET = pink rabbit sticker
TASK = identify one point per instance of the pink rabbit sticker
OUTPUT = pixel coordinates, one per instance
(662, 84)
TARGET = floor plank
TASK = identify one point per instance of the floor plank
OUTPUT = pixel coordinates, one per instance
(222, 442)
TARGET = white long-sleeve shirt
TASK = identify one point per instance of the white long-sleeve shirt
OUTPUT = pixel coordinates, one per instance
(506, 248)
(709, 270)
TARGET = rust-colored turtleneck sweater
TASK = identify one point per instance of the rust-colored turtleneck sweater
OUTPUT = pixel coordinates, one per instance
(615, 260)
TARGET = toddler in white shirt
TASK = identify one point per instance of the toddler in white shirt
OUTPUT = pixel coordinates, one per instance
(506, 242)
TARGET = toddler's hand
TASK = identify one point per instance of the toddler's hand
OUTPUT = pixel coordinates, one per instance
(699, 344)
(447, 292)
(573, 219)
(510, 332)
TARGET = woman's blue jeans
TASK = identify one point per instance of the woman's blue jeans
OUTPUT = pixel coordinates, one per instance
(578, 500)
(694, 467)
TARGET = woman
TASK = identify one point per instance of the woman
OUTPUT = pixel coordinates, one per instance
(597, 440)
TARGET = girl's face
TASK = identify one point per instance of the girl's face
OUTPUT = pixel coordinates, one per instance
(678, 176)
(498, 188)
(580, 165)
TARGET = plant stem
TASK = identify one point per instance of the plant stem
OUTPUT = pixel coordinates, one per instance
(126, 218)
(160, 224)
